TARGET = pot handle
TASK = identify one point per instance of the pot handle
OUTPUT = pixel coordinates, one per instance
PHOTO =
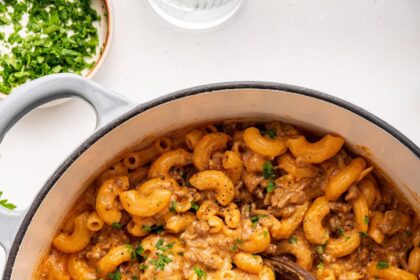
(107, 106)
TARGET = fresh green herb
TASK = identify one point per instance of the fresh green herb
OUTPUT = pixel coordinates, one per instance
(138, 252)
(6, 204)
(116, 225)
(268, 171)
(237, 241)
(194, 205)
(201, 274)
(320, 265)
(382, 265)
(293, 239)
(115, 275)
(60, 37)
(270, 133)
(363, 234)
(157, 229)
(255, 219)
(152, 229)
(146, 228)
(159, 243)
(161, 261)
(163, 248)
(320, 249)
(265, 233)
(134, 278)
(366, 220)
(340, 231)
(172, 207)
(143, 266)
(270, 186)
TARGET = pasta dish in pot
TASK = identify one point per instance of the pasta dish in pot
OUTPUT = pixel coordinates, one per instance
(215, 201)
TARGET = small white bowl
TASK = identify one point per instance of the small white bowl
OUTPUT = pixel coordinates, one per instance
(105, 34)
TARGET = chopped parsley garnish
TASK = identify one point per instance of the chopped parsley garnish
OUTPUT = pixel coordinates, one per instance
(270, 133)
(382, 265)
(115, 275)
(265, 233)
(366, 220)
(363, 234)
(320, 265)
(255, 219)
(138, 253)
(340, 231)
(146, 228)
(6, 204)
(293, 239)
(152, 229)
(320, 249)
(134, 278)
(163, 248)
(157, 229)
(172, 207)
(60, 36)
(143, 266)
(161, 261)
(194, 205)
(270, 186)
(116, 225)
(268, 171)
(237, 241)
(201, 274)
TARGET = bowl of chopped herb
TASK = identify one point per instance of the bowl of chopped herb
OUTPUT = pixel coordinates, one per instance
(38, 38)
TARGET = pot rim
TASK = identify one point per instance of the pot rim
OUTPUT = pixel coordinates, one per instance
(174, 96)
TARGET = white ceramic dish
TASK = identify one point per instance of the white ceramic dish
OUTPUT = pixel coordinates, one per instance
(26, 235)
(105, 33)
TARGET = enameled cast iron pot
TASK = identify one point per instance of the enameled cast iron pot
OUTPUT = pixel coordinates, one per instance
(26, 235)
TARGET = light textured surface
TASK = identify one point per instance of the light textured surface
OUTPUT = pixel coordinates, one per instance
(363, 51)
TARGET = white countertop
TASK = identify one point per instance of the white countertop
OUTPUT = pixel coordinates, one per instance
(364, 51)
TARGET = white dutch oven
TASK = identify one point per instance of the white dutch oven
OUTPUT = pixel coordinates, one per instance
(121, 125)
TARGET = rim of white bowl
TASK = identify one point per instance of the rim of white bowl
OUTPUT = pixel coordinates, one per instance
(106, 45)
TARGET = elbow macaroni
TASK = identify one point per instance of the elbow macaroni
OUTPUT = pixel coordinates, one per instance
(389, 273)
(213, 202)
(114, 258)
(78, 239)
(361, 212)
(216, 181)
(300, 249)
(262, 145)
(207, 145)
(344, 245)
(315, 232)
(106, 200)
(163, 164)
(317, 152)
(339, 183)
